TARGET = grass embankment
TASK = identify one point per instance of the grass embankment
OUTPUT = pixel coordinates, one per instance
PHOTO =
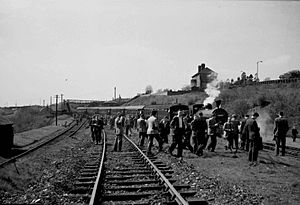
(268, 100)
(187, 99)
(28, 118)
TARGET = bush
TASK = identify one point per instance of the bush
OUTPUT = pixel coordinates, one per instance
(29, 118)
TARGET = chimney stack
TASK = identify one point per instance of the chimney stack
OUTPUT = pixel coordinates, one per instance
(115, 93)
(201, 67)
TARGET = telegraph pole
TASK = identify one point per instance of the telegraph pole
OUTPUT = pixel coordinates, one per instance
(56, 96)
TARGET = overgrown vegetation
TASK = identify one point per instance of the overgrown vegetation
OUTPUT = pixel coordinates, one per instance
(273, 98)
(30, 118)
(187, 99)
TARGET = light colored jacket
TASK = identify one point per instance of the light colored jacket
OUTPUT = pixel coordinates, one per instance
(152, 125)
(141, 125)
(119, 125)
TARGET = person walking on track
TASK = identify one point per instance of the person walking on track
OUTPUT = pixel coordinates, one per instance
(142, 129)
(152, 132)
(119, 130)
(178, 127)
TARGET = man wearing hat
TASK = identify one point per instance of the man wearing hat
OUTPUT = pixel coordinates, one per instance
(281, 127)
(252, 131)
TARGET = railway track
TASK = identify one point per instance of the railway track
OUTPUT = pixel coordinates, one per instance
(291, 151)
(67, 132)
(130, 177)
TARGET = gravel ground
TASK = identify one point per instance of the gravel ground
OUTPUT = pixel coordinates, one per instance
(221, 178)
(47, 176)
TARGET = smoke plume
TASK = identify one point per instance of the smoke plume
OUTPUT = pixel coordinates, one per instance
(212, 89)
(265, 123)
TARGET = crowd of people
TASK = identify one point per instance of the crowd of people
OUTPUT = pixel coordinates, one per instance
(193, 132)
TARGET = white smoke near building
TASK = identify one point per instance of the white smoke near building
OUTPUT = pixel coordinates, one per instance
(265, 123)
(212, 89)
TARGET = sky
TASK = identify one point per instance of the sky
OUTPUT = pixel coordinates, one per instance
(84, 48)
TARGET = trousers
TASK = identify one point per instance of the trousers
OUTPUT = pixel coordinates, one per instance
(118, 143)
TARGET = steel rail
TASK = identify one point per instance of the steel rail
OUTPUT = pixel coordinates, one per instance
(13, 159)
(178, 198)
(95, 192)
(292, 151)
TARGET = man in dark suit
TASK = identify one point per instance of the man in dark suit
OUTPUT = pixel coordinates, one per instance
(244, 138)
(281, 127)
(199, 130)
(178, 126)
(251, 129)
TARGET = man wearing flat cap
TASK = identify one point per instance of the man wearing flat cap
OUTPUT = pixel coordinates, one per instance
(281, 127)
(252, 131)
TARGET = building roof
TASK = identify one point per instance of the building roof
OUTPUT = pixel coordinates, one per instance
(5, 121)
(205, 70)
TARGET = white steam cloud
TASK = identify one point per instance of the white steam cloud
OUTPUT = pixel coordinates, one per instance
(212, 89)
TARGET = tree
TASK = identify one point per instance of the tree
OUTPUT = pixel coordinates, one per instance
(251, 77)
(148, 89)
(186, 88)
(290, 74)
(243, 77)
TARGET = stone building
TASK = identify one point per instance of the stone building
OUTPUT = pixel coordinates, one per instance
(204, 76)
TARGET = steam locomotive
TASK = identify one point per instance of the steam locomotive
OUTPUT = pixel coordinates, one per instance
(208, 111)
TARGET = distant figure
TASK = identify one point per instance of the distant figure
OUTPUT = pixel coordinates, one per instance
(178, 127)
(281, 127)
(252, 130)
(199, 129)
(244, 137)
(235, 131)
(112, 122)
(98, 127)
(92, 126)
(119, 130)
(142, 129)
(152, 132)
(188, 132)
(294, 133)
(164, 129)
(228, 129)
(128, 130)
